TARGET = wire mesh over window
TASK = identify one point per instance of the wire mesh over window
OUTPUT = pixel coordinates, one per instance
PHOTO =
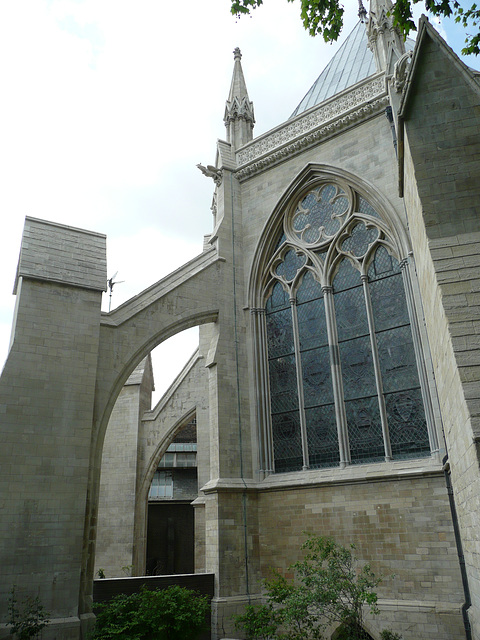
(340, 352)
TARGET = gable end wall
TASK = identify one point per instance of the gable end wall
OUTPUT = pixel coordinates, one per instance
(442, 196)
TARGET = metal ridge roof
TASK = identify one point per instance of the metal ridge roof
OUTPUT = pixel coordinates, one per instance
(353, 62)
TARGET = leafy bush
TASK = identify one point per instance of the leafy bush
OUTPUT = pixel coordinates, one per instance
(390, 635)
(330, 587)
(174, 613)
(28, 619)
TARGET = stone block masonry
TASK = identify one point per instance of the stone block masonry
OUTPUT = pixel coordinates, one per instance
(46, 393)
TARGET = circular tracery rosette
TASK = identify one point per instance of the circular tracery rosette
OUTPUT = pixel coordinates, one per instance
(320, 214)
(328, 223)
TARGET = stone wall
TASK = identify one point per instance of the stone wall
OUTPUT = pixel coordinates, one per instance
(442, 191)
(397, 517)
(237, 520)
(46, 397)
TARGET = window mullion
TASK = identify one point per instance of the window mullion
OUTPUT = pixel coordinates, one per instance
(376, 367)
(301, 402)
(337, 382)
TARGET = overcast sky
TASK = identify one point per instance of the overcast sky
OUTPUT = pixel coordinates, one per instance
(108, 106)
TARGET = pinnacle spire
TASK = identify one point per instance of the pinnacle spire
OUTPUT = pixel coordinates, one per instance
(362, 12)
(239, 116)
(384, 38)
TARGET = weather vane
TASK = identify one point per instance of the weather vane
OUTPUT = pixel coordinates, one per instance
(110, 283)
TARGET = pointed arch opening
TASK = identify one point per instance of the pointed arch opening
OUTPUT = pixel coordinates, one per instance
(349, 632)
(173, 488)
(340, 369)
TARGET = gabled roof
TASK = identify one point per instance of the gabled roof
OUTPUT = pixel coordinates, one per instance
(425, 30)
(353, 62)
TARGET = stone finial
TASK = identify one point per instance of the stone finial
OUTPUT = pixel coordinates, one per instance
(237, 54)
(362, 12)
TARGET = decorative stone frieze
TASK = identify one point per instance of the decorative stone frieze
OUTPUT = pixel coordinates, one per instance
(350, 107)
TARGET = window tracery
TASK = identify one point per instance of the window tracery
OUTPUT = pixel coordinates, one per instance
(340, 358)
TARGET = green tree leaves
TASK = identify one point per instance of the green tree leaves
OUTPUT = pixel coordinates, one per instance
(319, 17)
(330, 588)
(169, 614)
(27, 619)
(325, 17)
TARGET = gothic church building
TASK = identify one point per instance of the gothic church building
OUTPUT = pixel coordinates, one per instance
(336, 385)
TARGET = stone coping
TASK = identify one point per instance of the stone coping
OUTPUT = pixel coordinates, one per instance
(178, 277)
(62, 254)
(352, 474)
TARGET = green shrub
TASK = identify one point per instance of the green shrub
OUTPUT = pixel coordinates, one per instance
(390, 635)
(330, 587)
(174, 613)
(27, 620)
(258, 622)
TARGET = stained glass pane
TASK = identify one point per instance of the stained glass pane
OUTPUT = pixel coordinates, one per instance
(311, 324)
(407, 424)
(283, 384)
(322, 436)
(397, 359)
(357, 368)
(351, 314)
(382, 265)
(365, 430)
(292, 262)
(388, 302)
(319, 212)
(278, 300)
(359, 240)
(287, 442)
(347, 276)
(317, 377)
(309, 289)
(365, 207)
(279, 333)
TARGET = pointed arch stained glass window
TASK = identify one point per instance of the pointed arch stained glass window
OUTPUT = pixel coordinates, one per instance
(343, 380)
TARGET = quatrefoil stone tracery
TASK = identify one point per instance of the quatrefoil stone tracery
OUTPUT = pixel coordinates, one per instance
(359, 240)
(318, 217)
(291, 263)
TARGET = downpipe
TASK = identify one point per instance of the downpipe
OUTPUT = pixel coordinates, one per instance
(458, 541)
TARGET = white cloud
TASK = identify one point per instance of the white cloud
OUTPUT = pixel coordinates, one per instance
(108, 106)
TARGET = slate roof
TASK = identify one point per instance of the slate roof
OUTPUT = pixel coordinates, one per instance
(353, 62)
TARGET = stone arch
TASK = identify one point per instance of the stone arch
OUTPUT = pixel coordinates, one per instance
(71, 361)
(186, 298)
(142, 497)
(340, 633)
(161, 449)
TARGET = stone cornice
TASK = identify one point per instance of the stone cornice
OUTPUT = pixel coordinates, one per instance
(392, 471)
(331, 117)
